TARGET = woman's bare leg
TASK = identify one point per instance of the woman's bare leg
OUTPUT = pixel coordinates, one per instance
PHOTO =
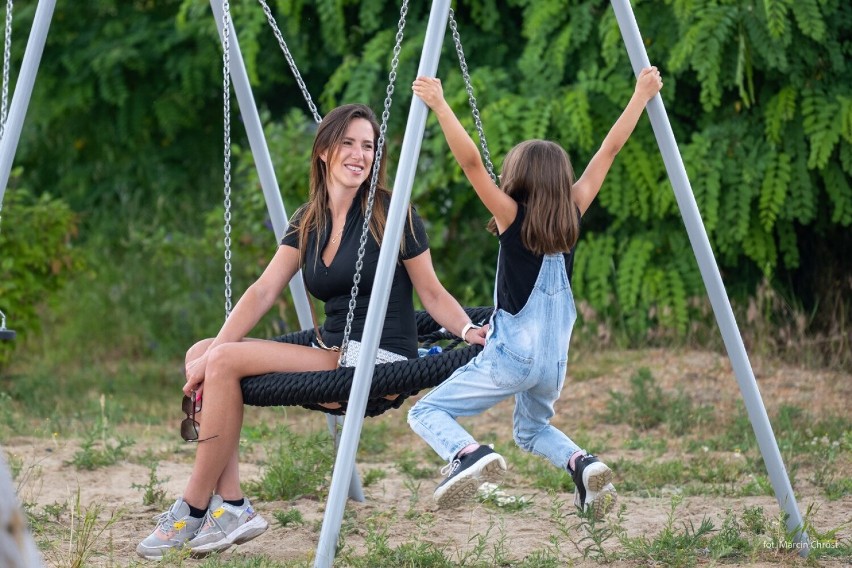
(223, 399)
(228, 484)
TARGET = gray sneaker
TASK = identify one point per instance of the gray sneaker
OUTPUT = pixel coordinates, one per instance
(174, 528)
(226, 525)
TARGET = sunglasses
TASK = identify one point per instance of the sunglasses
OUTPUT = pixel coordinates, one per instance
(189, 425)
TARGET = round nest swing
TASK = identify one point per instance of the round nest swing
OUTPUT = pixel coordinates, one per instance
(399, 379)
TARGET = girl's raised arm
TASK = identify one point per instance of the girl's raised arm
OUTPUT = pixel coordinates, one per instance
(587, 187)
(464, 149)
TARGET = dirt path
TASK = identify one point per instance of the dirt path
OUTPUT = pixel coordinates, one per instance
(47, 480)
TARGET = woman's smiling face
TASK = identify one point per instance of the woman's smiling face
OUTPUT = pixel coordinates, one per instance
(350, 162)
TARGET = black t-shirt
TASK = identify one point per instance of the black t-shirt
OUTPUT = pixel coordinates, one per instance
(518, 268)
(333, 284)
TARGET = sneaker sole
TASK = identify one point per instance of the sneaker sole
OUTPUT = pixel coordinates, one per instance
(465, 486)
(603, 502)
(250, 530)
(596, 477)
(152, 556)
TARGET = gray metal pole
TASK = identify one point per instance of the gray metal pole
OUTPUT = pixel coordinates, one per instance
(262, 158)
(397, 214)
(23, 90)
(269, 183)
(713, 282)
(335, 423)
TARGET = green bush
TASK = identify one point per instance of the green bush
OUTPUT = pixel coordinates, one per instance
(37, 234)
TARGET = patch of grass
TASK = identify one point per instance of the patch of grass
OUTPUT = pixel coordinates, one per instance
(300, 466)
(289, 517)
(407, 463)
(646, 406)
(97, 449)
(373, 475)
(75, 540)
(240, 561)
(732, 541)
(486, 550)
(15, 464)
(674, 545)
(153, 492)
(589, 536)
(413, 487)
(380, 553)
(699, 475)
(600, 364)
(539, 472)
(653, 444)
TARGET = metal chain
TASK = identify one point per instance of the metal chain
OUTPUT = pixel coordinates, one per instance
(226, 83)
(4, 101)
(486, 155)
(7, 56)
(377, 160)
(290, 60)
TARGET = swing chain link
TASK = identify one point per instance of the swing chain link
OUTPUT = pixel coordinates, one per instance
(271, 19)
(486, 155)
(226, 72)
(7, 56)
(377, 160)
(4, 101)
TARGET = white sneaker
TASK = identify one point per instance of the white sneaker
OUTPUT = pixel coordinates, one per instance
(174, 528)
(226, 525)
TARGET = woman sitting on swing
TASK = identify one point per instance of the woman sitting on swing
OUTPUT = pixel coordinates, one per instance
(323, 239)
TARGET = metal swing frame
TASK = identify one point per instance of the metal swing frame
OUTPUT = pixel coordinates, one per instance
(412, 140)
(415, 128)
(5, 334)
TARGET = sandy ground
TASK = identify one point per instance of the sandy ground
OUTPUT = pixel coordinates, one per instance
(47, 478)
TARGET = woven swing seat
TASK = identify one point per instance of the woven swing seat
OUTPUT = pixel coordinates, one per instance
(401, 378)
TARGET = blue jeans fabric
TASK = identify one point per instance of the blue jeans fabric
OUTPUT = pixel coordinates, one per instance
(525, 355)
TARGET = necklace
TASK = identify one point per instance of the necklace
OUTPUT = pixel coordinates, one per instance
(334, 238)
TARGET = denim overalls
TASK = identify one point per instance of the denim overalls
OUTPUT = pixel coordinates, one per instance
(525, 355)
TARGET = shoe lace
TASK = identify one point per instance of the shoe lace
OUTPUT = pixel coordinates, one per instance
(208, 520)
(450, 468)
(164, 519)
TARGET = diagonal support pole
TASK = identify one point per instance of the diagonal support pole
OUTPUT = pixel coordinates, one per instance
(713, 282)
(413, 138)
(272, 195)
(23, 90)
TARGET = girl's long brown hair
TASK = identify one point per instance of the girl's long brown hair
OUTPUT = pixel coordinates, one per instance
(315, 213)
(538, 174)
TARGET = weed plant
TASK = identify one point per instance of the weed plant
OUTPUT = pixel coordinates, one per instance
(301, 465)
(153, 492)
(679, 543)
(289, 517)
(372, 475)
(71, 540)
(646, 406)
(98, 449)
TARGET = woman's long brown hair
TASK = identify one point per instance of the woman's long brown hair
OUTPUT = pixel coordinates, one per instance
(315, 213)
(538, 174)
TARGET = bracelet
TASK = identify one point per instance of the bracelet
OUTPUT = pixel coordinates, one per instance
(467, 327)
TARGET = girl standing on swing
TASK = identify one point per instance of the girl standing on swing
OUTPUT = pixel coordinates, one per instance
(323, 240)
(536, 217)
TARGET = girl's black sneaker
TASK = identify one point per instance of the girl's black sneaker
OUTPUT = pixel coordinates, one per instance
(467, 473)
(593, 488)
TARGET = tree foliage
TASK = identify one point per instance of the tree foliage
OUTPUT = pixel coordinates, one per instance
(125, 125)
